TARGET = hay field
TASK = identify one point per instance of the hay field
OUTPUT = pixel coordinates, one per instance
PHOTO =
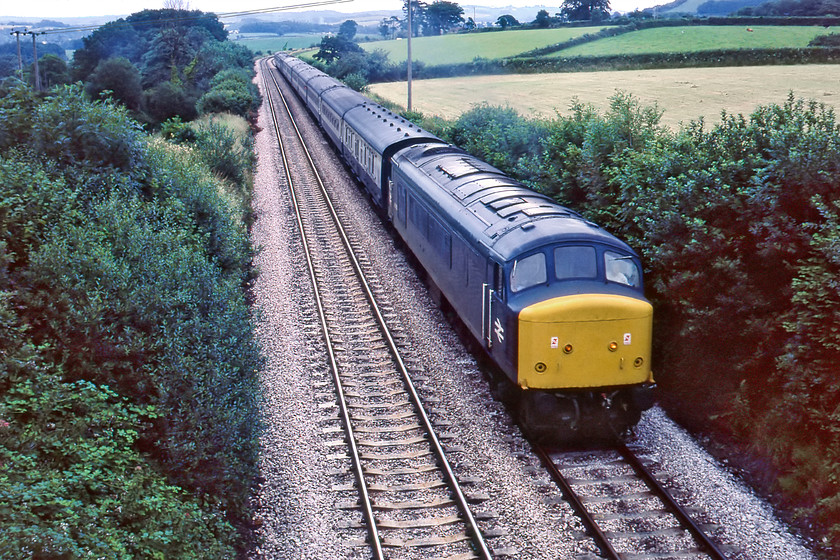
(684, 94)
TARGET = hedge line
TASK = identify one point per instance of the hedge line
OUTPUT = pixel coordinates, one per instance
(128, 416)
(739, 228)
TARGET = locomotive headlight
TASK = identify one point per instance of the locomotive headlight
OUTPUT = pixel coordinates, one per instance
(613, 346)
(540, 367)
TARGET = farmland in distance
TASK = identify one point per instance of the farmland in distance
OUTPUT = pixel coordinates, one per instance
(699, 38)
(460, 48)
(684, 94)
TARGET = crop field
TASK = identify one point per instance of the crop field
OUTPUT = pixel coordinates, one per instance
(278, 43)
(683, 94)
(699, 38)
(458, 48)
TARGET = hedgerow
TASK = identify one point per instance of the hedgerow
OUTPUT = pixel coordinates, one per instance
(128, 416)
(739, 228)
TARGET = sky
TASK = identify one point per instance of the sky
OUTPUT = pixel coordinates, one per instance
(78, 8)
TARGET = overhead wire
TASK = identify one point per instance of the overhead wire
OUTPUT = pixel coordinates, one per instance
(224, 15)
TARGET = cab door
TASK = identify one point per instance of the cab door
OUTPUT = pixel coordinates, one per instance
(497, 329)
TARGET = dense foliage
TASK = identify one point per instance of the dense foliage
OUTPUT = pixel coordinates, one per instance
(164, 63)
(739, 227)
(793, 8)
(127, 363)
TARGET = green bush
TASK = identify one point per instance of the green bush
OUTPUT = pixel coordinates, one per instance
(231, 91)
(739, 228)
(225, 153)
(127, 365)
(74, 486)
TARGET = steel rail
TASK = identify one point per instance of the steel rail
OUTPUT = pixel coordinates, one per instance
(367, 505)
(601, 540)
(454, 486)
(676, 510)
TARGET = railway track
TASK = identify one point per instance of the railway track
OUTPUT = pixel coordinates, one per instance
(628, 513)
(411, 501)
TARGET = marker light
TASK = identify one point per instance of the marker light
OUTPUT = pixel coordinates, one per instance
(568, 349)
(540, 367)
(613, 346)
(638, 362)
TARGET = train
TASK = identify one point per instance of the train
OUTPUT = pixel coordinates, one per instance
(554, 302)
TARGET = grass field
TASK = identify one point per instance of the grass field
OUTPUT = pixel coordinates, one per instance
(684, 94)
(699, 38)
(274, 44)
(455, 48)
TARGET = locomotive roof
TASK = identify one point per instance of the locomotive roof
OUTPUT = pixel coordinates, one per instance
(490, 207)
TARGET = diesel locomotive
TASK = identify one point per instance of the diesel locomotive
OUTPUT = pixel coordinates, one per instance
(554, 301)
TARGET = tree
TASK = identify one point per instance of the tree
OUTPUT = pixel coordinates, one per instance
(53, 71)
(119, 76)
(418, 16)
(543, 20)
(348, 29)
(333, 48)
(442, 15)
(506, 21)
(585, 10)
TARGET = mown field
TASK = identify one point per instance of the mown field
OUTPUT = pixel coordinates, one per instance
(684, 94)
(459, 48)
(699, 38)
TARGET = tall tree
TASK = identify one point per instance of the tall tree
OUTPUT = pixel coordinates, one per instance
(542, 20)
(442, 16)
(506, 21)
(585, 10)
(418, 16)
(348, 29)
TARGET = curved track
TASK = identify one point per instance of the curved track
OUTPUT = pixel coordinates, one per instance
(412, 503)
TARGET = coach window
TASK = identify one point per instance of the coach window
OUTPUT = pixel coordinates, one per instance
(622, 269)
(575, 262)
(527, 272)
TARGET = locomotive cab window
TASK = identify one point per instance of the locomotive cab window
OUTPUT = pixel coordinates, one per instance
(528, 271)
(621, 269)
(575, 262)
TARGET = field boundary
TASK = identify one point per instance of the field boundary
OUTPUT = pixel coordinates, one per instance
(651, 61)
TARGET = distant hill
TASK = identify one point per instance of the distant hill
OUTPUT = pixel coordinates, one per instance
(706, 7)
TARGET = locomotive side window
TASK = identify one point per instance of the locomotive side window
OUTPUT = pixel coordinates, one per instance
(621, 268)
(528, 272)
(575, 262)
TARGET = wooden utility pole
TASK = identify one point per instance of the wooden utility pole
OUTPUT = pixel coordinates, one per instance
(408, 64)
(20, 58)
(35, 55)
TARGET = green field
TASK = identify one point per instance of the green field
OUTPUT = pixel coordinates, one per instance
(274, 44)
(460, 48)
(698, 38)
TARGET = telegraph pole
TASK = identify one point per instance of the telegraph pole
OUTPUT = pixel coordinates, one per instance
(20, 58)
(35, 55)
(408, 65)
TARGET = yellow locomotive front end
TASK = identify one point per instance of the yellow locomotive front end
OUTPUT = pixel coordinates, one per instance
(586, 341)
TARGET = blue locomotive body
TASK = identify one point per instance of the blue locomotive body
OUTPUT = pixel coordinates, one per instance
(555, 301)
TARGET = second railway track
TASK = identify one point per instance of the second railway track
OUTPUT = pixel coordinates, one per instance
(412, 502)
(628, 513)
